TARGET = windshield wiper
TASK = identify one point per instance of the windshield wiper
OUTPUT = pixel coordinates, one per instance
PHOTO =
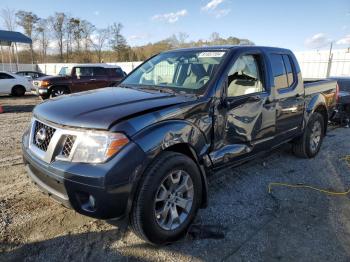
(160, 89)
(156, 88)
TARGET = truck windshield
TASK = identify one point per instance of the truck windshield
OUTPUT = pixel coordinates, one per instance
(178, 71)
(65, 71)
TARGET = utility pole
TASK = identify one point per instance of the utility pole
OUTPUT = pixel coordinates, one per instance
(330, 58)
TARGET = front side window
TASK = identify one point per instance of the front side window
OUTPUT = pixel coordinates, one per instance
(244, 77)
(65, 71)
(84, 71)
(181, 71)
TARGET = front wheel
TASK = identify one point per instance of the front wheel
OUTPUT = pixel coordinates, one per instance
(18, 90)
(167, 200)
(59, 91)
(309, 144)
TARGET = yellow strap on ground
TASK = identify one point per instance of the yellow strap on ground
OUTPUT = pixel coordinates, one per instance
(274, 184)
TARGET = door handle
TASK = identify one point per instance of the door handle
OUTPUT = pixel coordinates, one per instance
(93, 79)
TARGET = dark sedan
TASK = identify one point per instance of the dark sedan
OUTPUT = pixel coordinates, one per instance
(342, 114)
(30, 74)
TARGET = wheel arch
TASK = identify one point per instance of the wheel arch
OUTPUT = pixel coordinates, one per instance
(18, 85)
(174, 136)
(318, 105)
(60, 85)
(322, 109)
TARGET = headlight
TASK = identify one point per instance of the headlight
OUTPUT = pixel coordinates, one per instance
(43, 83)
(97, 147)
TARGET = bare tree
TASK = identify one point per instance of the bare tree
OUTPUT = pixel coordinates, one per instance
(57, 22)
(87, 29)
(76, 30)
(182, 37)
(9, 18)
(28, 21)
(9, 22)
(42, 31)
(118, 41)
(99, 41)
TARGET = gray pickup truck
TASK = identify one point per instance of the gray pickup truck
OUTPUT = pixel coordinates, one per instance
(143, 150)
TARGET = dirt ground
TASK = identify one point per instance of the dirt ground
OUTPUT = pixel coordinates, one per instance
(242, 223)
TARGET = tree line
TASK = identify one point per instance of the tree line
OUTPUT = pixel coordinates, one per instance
(65, 38)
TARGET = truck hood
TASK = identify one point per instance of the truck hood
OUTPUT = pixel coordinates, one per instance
(51, 78)
(101, 109)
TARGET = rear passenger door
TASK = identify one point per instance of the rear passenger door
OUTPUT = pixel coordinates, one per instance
(100, 78)
(289, 94)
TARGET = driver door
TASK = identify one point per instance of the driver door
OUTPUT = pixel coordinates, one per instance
(247, 117)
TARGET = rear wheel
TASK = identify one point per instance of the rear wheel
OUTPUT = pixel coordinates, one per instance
(18, 90)
(59, 91)
(168, 199)
(309, 144)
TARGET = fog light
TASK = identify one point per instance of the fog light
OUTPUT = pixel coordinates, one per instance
(92, 201)
(42, 91)
(87, 202)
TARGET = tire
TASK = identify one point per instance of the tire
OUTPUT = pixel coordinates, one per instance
(157, 228)
(18, 90)
(309, 144)
(59, 91)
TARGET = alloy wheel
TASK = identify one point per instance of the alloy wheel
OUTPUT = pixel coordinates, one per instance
(58, 92)
(173, 200)
(315, 136)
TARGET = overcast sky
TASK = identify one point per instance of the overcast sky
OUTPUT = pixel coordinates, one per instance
(295, 24)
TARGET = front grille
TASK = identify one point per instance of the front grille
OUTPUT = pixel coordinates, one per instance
(68, 145)
(42, 135)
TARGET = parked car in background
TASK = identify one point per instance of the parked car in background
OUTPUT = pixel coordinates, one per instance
(77, 79)
(14, 84)
(342, 113)
(143, 150)
(30, 74)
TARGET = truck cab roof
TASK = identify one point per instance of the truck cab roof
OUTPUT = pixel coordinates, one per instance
(93, 65)
(230, 47)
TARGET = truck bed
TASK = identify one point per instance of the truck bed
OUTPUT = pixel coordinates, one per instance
(319, 86)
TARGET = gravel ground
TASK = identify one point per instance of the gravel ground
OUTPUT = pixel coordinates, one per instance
(242, 223)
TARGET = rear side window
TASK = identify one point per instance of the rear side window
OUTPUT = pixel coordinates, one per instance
(289, 69)
(99, 71)
(5, 76)
(119, 72)
(279, 71)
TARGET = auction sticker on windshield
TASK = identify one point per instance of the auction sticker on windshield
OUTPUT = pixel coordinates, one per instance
(211, 54)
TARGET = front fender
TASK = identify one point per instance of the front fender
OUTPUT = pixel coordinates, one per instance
(160, 136)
